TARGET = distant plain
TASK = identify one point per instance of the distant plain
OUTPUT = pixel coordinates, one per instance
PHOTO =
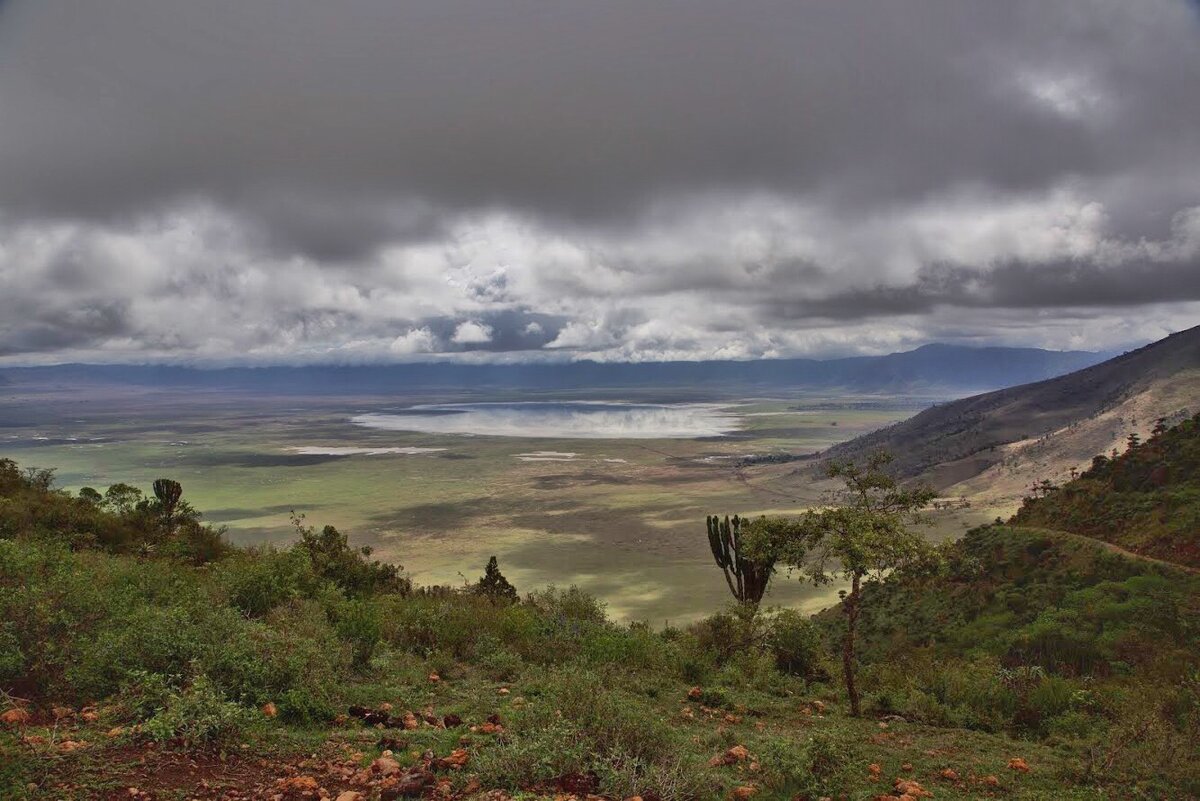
(603, 500)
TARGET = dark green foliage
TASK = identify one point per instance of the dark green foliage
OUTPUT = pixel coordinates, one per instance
(358, 623)
(197, 714)
(862, 536)
(350, 569)
(1146, 499)
(120, 521)
(747, 578)
(797, 645)
(494, 586)
(168, 493)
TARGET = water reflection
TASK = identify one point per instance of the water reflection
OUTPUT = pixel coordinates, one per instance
(562, 420)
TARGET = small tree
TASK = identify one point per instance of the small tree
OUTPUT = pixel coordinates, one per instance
(861, 537)
(122, 498)
(494, 586)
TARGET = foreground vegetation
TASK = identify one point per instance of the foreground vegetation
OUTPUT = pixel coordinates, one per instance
(1021, 662)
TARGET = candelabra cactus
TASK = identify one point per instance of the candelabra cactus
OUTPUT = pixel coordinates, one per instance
(168, 493)
(747, 579)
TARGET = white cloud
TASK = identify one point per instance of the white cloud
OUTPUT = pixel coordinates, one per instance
(415, 340)
(471, 333)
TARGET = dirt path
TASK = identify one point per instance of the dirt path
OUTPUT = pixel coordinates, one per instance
(1108, 546)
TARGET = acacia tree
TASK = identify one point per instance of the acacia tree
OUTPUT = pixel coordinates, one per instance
(865, 533)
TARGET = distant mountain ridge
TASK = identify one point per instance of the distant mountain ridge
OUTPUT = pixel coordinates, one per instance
(936, 367)
(1043, 429)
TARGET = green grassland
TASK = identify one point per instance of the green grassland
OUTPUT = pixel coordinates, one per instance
(138, 651)
(629, 531)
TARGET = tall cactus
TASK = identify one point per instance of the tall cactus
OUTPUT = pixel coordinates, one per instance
(168, 493)
(746, 578)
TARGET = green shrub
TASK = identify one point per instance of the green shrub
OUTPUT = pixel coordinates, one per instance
(257, 581)
(571, 606)
(579, 722)
(797, 644)
(358, 623)
(198, 714)
(730, 632)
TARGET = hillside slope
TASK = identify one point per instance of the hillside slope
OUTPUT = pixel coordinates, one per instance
(1143, 500)
(1011, 436)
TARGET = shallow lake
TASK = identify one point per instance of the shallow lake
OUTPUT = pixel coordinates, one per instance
(562, 420)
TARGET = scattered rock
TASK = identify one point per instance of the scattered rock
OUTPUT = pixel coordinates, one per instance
(392, 744)
(457, 758)
(269, 710)
(62, 712)
(350, 795)
(411, 784)
(1018, 764)
(949, 774)
(503, 691)
(450, 721)
(743, 792)
(299, 787)
(695, 693)
(730, 757)
(875, 769)
(385, 766)
(435, 678)
(909, 789)
(15, 717)
(410, 721)
(67, 746)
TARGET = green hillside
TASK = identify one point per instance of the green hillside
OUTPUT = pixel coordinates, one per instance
(1145, 500)
(141, 655)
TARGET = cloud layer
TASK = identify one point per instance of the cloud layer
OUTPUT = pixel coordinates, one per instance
(374, 181)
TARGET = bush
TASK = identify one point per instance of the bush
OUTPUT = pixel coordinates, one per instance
(798, 645)
(199, 714)
(571, 606)
(727, 633)
(579, 723)
(257, 581)
(358, 623)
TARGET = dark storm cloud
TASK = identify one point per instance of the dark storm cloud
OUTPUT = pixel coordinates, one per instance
(1008, 286)
(578, 108)
(507, 330)
(304, 180)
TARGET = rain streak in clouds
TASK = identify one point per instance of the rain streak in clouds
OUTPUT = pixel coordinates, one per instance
(228, 182)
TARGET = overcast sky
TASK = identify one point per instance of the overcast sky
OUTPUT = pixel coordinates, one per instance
(212, 181)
